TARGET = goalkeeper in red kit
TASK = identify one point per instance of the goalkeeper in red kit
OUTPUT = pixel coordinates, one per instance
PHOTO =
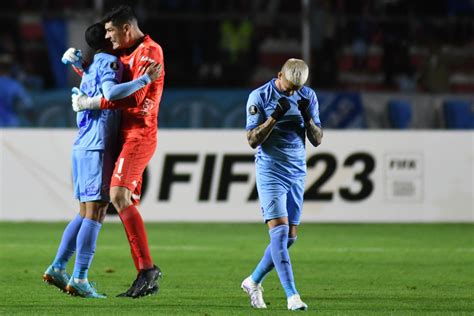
(138, 137)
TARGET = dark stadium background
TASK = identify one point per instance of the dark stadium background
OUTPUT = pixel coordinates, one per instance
(223, 49)
(383, 69)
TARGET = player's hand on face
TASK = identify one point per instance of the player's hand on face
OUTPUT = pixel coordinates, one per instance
(72, 56)
(282, 106)
(153, 71)
(303, 106)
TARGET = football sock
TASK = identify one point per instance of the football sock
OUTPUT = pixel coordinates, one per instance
(137, 238)
(86, 243)
(80, 281)
(281, 258)
(266, 263)
(68, 243)
(134, 255)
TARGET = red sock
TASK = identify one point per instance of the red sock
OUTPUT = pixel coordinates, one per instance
(137, 238)
(135, 258)
(134, 255)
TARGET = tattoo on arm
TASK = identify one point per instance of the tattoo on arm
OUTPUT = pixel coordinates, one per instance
(260, 133)
(314, 132)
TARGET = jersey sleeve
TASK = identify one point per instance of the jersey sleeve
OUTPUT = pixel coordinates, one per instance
(113, 91)
(148, 55)
(255, 112)
(111, 70)
(314, 107)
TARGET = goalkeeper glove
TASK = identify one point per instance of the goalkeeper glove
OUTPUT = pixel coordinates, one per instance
(81, 102)
(303, 106)
(283, 105)
(72, 57)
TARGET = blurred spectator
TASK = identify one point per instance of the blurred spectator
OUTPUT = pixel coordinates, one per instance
(323, 45)
(405, 72)
(355, 44)
(434, 75)
(205, 55)
(236, 45)
(15, 102)
(360, 42)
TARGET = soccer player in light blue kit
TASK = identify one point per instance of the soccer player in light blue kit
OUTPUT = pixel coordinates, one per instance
(280, 114)
(93, 157)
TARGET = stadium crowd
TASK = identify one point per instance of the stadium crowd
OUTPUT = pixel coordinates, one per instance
(359, 44)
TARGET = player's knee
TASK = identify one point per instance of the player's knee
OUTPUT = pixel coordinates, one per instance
(121, 198)
(293, 231)
(291, 241)
(97, 216)
(120, 201)
(100, 215)
(96, 211)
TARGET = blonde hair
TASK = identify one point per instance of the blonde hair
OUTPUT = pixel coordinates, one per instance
(295, 71)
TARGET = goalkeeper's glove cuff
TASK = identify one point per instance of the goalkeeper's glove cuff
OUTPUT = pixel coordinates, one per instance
(83, 102)
(92, 103)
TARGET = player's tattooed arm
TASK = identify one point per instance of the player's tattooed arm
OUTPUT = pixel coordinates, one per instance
(314, 132)
(260, 133)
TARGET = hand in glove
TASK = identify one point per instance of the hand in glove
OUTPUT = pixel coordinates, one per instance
(81, 102)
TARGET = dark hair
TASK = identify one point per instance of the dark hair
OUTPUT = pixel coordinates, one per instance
(95, 37)
(120, 15)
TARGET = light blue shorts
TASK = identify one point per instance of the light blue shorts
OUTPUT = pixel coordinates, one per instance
(280, 194)
(91, 173)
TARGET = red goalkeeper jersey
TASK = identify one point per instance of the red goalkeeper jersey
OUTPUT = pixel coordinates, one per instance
(140, 110)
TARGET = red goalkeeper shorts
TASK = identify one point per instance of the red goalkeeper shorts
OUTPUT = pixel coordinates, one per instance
(130, 165)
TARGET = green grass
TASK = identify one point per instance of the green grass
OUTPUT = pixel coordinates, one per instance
(340, 269)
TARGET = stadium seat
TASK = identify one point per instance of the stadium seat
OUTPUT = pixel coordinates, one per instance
(458, 114)
(399, 114)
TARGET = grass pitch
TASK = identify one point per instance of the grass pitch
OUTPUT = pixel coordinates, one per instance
(340, 269)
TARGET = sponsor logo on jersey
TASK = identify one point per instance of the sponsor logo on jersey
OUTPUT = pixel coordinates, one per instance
(148, 59)
(146, 106)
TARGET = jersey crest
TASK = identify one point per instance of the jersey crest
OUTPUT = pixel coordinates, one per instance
(253, 110)
(114, 66)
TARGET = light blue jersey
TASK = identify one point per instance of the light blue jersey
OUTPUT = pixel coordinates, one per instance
(286, 143)
(98, 128)
(281, 158)
(95, 147)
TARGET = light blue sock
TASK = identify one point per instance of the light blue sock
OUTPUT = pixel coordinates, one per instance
(281, 258)
(86, 242)
(266, 263)
(68, 243)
